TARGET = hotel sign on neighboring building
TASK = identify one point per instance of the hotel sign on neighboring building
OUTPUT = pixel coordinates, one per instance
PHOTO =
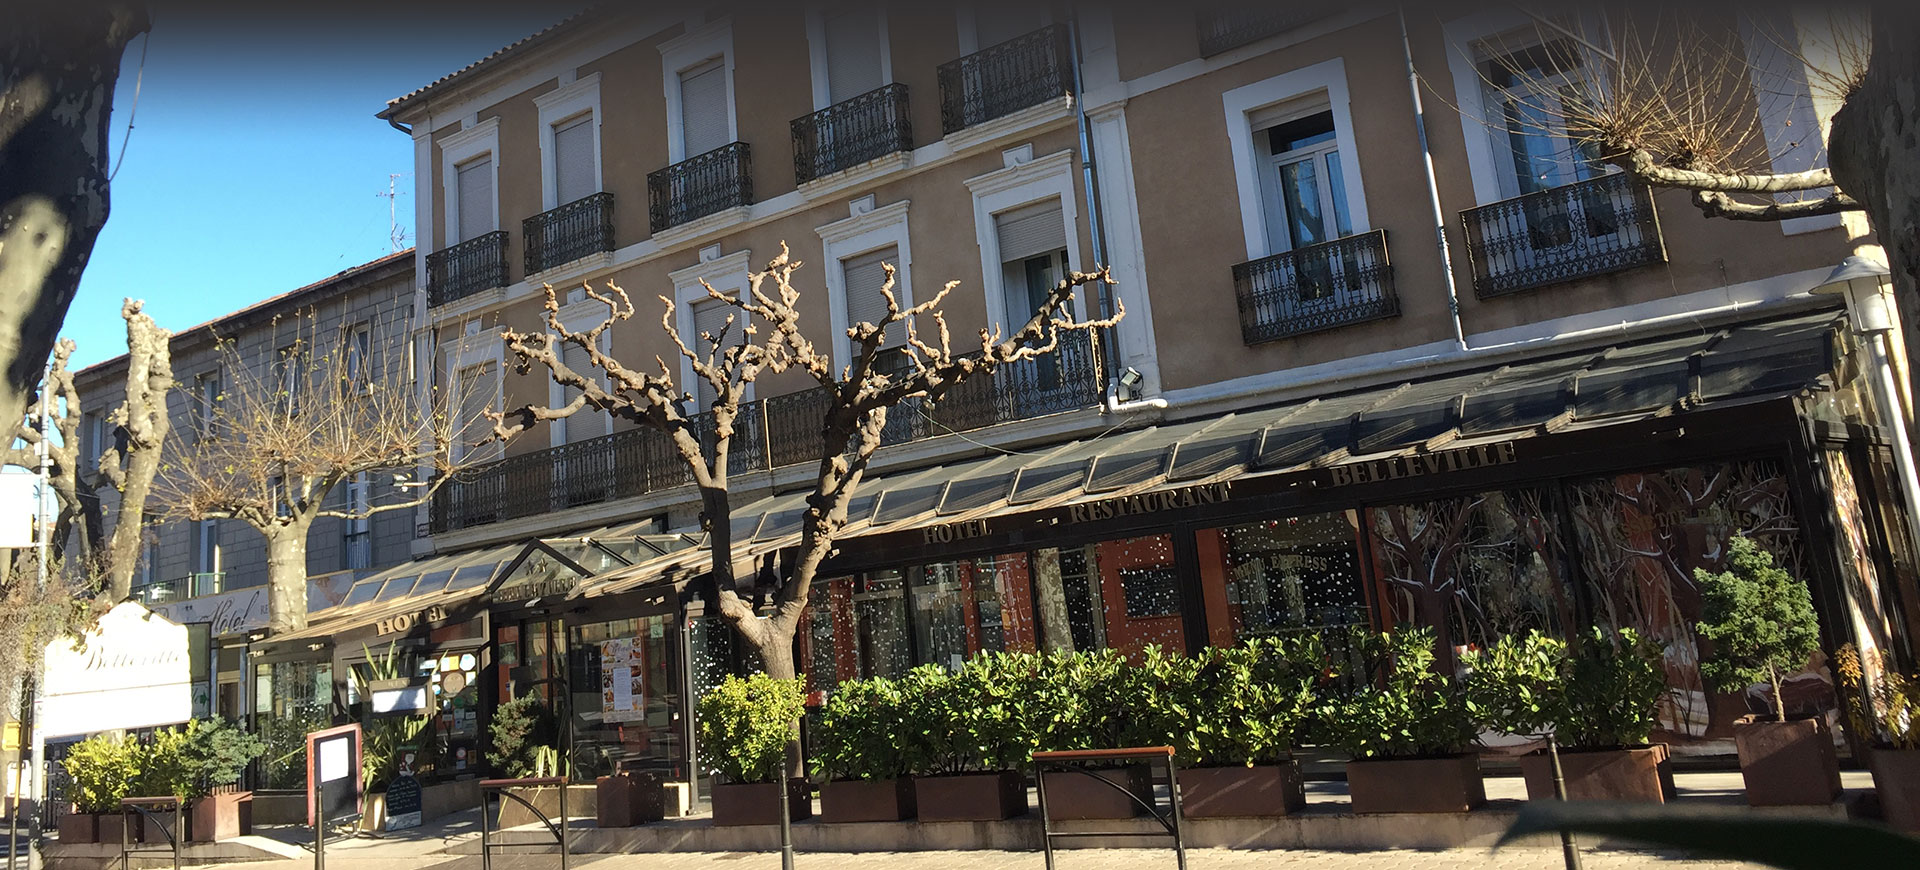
(228, 613)
(133, 670)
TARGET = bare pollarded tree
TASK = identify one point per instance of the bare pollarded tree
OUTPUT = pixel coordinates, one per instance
(273, 449)
(764, 334)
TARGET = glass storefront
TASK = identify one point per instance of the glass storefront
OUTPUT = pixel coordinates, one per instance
(291, 699)
(627, 698)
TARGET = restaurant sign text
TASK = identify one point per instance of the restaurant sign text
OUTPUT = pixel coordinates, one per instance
(1422, 464)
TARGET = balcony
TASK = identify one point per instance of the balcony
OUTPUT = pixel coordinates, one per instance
(1225, 26)
(778, 431)
(1580, 230)
(569, 233)
(1318, 287)
(179, 589)
(998, 81)
(480, 263)
(847, 134)
(699, 186)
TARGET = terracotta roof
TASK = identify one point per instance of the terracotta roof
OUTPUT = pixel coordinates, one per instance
(396, 104)
(274, 301)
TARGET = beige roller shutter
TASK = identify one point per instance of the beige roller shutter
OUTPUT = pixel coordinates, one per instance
(477, 388)
(573, 175)
(703, 108)
(1030, 231)
(853, 52)
(710, 317)
(588, 423)
(475, 180)
(864, 278)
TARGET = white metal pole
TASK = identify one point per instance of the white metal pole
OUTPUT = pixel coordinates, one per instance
(1874, 323)
(38, 740)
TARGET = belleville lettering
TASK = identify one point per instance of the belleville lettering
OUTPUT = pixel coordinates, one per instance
(1149, 502)
(1442, 462)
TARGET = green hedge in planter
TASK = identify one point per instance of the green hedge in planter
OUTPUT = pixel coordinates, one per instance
(1403, 708)
(1237, 706)
(1597, 695)
(745, 725)
(979, 718)
(100, 771)
(860, 732)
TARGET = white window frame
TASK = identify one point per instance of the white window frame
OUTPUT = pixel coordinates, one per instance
(479, 348)
(205, 412)
(1787, 119)
(1241, 103)
(866, 231)
(1271, 163)
(357, 531)
(1023, 181)
(476, 140)
(577, 316)
(1485, 162)
(684, 52)
(558, 107)
(357, 356)
(727, 274)
(817, 54)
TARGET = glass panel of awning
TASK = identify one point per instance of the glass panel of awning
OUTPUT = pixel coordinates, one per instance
(470, 576)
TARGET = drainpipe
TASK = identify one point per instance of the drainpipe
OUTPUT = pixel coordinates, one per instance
(1096, 227)
(401, 127)
(1433, 186)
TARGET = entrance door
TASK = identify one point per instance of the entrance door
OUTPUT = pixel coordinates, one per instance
(1142, 590)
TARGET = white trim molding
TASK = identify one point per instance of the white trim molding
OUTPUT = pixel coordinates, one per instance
(1025, 122)
(1022, 183)
(557, 107)
(1126, 251)
(476, 140)
(863, 232)
(683, 52)
(1789, 115)
(727, 274)
(1329, 77)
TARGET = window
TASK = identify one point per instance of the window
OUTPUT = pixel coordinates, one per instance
(475, 203)
(587, 423)
(710, 318)
(1304, 186)
(478, 385)
(93, 442)
(703, 108)
(1529, 94)
(206, 556)
(207, 395)
(356, 531)
(149, 555)
(288, 379)
(855, 56)
(1033, 255)
(356, 357)
(865, 275)
(1150, 591)
(573, 159)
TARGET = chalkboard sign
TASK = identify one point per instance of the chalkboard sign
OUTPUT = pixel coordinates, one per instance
(403, 802)
(333, 775)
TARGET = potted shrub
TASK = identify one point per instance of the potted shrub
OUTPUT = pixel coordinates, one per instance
(859, 756)
(1596, 700)
(1233, 717)
(1408, 731)
(213, 755)
(522, 737)
(745, 726)
(1886, 712)
(160, 770)
(972, 737)
(1761, 623)
(99, 773)
(1096, 700)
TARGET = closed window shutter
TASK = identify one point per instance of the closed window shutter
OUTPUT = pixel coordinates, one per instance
(1030, 231)
(589, 422)
(995, 23)
(476, 198)
(573, 176)
(865, 276)
(710, 316)
(703, 108)
(853, 53)
(477, 389)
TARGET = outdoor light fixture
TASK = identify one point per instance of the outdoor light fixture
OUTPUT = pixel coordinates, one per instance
(1130, 380)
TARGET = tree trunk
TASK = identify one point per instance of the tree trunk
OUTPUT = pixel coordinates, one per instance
(1051, 591)
(287, 576)
(58, 67)
(123, 548)
(1875, 154)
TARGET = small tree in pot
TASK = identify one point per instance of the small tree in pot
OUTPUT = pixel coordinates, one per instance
(745, 724)
(1407, 729)
(1233, 717)
(1761, 623)
(212, 756)
(1596, 700)
(859, 755)
(973, 733)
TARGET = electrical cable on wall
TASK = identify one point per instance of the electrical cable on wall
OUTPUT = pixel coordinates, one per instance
(139, 74)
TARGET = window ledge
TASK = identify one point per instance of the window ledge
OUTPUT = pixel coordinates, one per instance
(571, 269)
(855, 176)
(680, 234)
(1028, 120)
(470, 305)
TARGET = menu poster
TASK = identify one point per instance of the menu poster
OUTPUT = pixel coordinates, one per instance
(621, 687)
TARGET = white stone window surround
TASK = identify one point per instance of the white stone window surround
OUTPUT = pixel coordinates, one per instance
(556, 107)
(1778, 75)
(727, 274)
(475, 140)
(577, 316)
(473, 349)
(817, 53)
(1023, 181)
(1328, 77)
(698, 45)
(864, 232)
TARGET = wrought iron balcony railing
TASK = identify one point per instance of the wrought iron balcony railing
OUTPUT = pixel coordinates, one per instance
(1566, 233)
(699, 186)
(1225, 26)
(477, 264)
(1317, 287)
(849, 133)
(180, 588)
(772, 432)
(999, 80)
(562, 235)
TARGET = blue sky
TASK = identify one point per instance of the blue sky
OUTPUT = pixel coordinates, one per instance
(256, 164)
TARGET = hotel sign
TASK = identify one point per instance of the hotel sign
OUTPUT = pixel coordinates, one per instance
(408, 621)
(1424, 464)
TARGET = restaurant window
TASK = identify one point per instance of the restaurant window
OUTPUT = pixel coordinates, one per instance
(627, 697)
(291, 699)
(1287, 575)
